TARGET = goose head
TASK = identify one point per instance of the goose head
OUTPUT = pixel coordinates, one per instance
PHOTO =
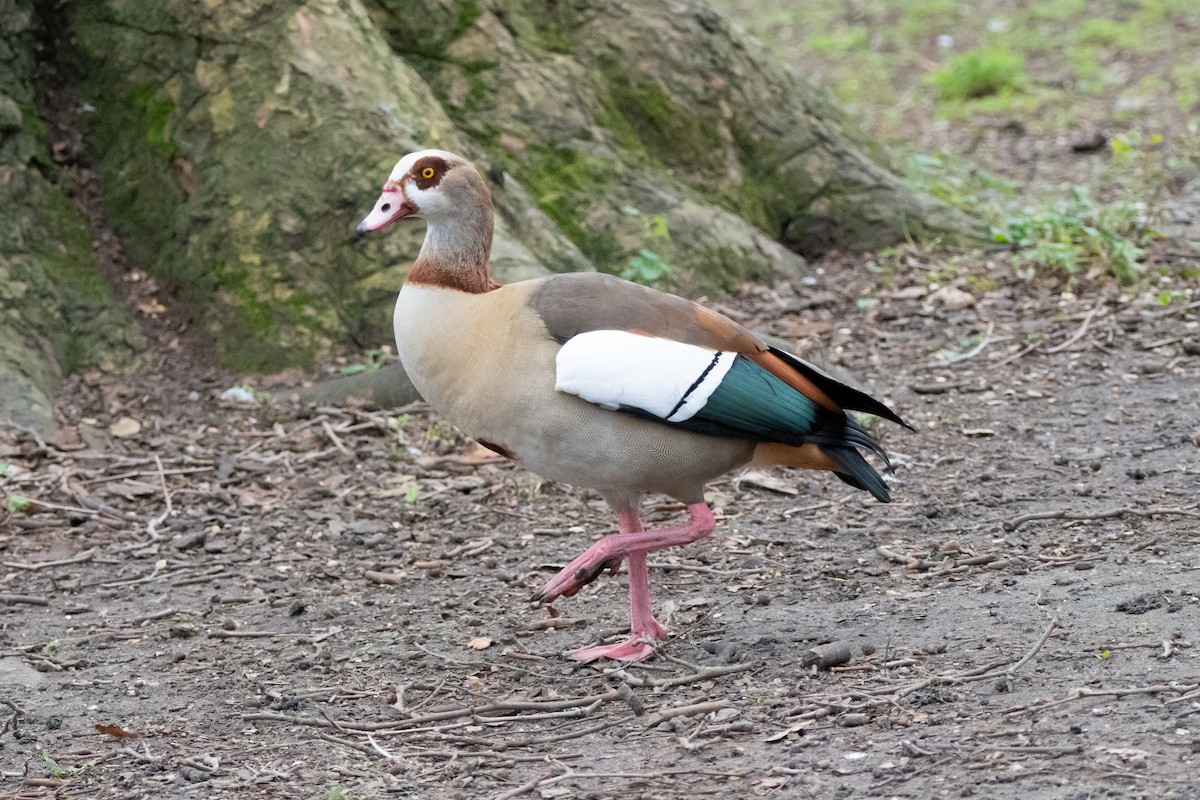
(432, 184)
(451, 196)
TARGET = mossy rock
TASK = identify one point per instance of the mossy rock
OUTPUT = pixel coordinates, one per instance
(258, 153)
(57, 313)
(239, 143)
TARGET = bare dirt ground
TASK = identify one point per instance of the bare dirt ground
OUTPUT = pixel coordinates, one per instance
(273, 601)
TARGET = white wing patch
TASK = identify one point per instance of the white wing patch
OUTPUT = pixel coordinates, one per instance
(668, 379)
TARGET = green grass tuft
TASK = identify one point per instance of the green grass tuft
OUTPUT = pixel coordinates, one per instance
(1078, 232)
(981, 73)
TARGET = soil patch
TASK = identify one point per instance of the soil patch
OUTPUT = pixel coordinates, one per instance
(274, 601)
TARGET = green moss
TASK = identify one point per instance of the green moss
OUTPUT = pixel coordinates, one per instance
(1187, 81)
(425, 29)
(1085, 63)
(840, 40)
(155, 110)
(140, 197)
(565, 183)
(66, 253)
(250, 318)
(35, 128)
(1109, 32)
(638, 105)
(554, 39)
(761, 203)
(468, 12)
(1058, 9)
(96, 330)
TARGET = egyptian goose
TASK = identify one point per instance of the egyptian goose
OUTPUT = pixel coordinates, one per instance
(598, 382)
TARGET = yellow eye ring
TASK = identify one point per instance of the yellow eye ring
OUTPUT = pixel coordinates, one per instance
(427, 173)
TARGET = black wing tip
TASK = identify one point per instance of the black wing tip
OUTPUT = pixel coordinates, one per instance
(856, 471)
(845, 396)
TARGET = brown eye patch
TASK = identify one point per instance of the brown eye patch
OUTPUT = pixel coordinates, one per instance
(428, 172)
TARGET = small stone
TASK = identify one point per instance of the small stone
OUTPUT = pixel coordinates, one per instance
(183, 630)
(238, 394)
(952, 297)
(1150, 366)
(125, 427)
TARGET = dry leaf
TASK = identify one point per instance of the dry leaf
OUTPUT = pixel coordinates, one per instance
(480, 643)
(475, 685)
(151, 307)
(253, 496)
(786, 732)
(116, 731)
(65, 439)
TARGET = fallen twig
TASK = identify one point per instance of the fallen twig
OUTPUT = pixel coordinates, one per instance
(909, 562)
(439, 716)
(26, 599)
(1080, 692)
(470, 548)
(1013, 524)
(107, 516)
(389, 578)
(974, 351)
(333, 437)
(1079, 333)
(1035, 649)
(83, 557)
(152, 526)
(659, 717)
(552, 622)
(308, 423)
(570, 774)
(539, 781)
(702, 675)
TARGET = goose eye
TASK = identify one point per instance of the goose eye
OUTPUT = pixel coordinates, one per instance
(427, 173)
(386, 207)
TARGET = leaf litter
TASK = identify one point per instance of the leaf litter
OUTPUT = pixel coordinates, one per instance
(282, 599)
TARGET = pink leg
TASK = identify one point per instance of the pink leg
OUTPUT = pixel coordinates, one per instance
(632, 544)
